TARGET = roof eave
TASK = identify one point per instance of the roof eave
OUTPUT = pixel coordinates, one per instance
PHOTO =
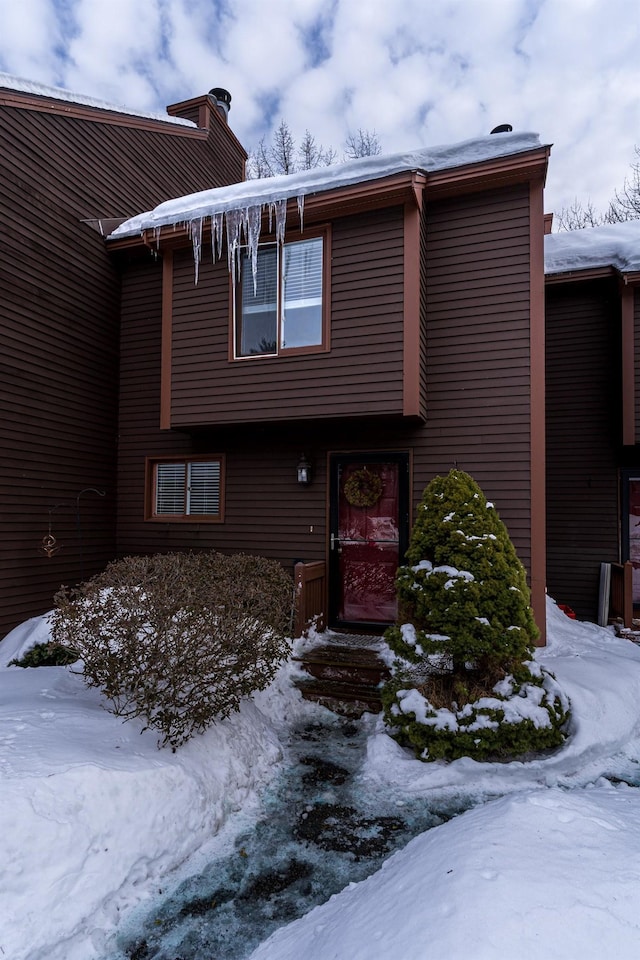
(628, 278)
(40, 103)
(410, 186)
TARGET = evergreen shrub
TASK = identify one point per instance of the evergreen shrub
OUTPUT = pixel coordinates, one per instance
(46, 655)
(178, 639)
(464, 682)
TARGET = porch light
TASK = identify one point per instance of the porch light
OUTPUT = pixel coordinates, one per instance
(304, 471)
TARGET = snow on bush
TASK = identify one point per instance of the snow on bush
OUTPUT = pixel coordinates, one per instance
(178, 639)
(464, 682)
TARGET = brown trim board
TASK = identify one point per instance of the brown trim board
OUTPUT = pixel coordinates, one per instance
(411, 406)
(166, 349)
(537, 410)
(627, 296)
(78, 111)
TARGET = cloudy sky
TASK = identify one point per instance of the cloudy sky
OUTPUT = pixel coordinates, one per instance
(418, 72)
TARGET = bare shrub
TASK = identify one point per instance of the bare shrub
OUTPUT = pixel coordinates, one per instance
(178, 639)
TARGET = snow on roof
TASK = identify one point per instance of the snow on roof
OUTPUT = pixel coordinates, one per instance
(267, 192)
(9, 82)
(610, 245)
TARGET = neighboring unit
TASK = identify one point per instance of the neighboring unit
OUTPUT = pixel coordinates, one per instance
(593, 410)
(71, 169)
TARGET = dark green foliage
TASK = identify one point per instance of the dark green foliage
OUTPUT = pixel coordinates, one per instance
(465, 632)
(46, 655)
(492, 727)
(455, 529)
(179, 639)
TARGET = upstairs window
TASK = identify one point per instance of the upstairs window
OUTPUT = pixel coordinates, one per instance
(284, 310)
(185, 490)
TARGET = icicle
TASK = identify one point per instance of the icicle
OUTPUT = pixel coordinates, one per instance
(301, 211)
(216, 235)
(235, 220)
(253, 223)
(280, 207)
(195, 232)
(243, 226)
(156, 233)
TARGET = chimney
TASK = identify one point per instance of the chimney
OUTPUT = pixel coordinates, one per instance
(222, 100)
(502, 128)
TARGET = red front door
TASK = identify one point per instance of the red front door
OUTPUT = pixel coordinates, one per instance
(369, 530)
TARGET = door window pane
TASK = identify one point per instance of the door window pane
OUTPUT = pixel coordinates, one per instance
(369, 548)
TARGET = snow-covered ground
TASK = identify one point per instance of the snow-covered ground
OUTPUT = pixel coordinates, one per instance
(92, 815)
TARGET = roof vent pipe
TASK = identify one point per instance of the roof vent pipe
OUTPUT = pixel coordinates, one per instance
(502, 128)
(222, 100)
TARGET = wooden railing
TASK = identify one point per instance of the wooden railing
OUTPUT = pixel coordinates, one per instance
(621, 595)
(311, 592)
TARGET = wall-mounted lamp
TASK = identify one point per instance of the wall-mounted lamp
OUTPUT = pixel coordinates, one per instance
(304, 471)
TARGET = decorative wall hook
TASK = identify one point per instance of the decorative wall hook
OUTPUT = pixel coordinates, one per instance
(49, 546)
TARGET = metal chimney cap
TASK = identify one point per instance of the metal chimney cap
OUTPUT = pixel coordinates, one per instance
(502, 128)
(222, 95)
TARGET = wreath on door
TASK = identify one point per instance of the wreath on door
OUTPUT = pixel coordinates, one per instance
(363, 489)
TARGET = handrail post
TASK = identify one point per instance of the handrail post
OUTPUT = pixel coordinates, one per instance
(310, 591)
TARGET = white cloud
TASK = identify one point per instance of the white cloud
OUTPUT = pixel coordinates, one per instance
(29, 37)
(418, 73)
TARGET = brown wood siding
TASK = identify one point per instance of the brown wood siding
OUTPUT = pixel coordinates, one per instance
(139, 433)
(636, 358)
(583, 438)
(361, 375)
(477, 367)
(59, 301)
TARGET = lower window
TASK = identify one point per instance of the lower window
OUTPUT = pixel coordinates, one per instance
(181, 489)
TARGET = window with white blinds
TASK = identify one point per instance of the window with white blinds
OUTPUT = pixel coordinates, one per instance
(281, 308)
(203, 488)
(183, 489)
(258, 333)
(170, 488)
(302, 294)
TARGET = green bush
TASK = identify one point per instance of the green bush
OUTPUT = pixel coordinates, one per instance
(464, 683)
(178, 639)
(46, 655)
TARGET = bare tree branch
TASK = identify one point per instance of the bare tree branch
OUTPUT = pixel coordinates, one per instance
(281, 155)
(364, 143)
(577, 216)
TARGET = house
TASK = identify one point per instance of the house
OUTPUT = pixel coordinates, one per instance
(281, 366)
(71, 168)
(299, 356)
(593, 410)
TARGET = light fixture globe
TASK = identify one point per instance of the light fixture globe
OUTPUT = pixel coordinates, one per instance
(304, 471)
